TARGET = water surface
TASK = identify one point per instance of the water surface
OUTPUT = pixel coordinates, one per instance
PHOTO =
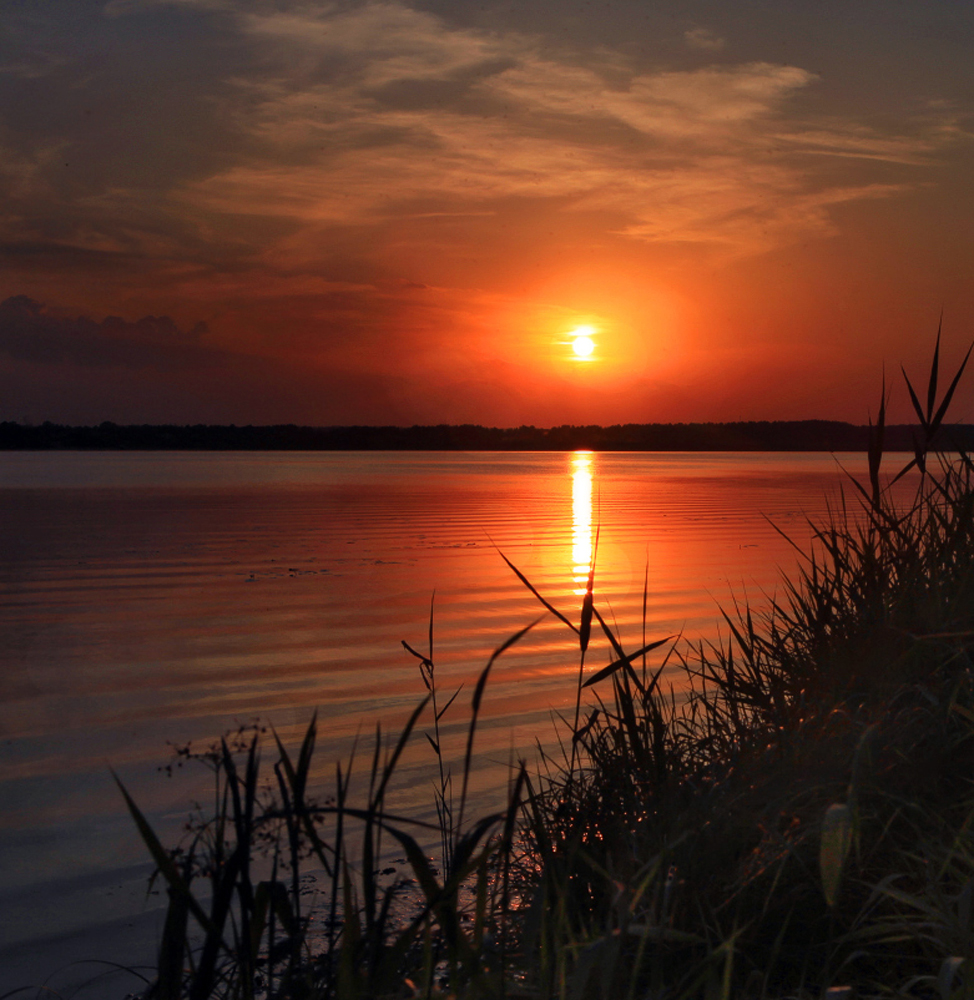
(154, 597)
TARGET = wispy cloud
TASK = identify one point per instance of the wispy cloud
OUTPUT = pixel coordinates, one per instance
(703, 38)
(848, 139)
(367, 112)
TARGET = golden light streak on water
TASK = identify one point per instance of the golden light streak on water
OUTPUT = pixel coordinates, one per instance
(582, 471)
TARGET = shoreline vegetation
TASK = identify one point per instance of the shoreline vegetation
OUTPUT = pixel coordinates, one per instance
(798, 822)
(780, 435)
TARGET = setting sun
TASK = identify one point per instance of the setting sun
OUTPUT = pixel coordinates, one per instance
(582, 343)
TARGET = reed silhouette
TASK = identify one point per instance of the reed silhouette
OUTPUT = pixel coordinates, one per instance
(795, 817)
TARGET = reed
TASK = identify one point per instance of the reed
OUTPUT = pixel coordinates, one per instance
(798, 820)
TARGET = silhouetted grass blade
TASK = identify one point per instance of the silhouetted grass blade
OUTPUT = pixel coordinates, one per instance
(624, 661)
(527, 583)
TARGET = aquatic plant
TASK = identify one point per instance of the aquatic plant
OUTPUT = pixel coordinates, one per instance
(795, 817)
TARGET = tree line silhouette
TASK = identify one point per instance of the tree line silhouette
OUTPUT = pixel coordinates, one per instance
(775, 435)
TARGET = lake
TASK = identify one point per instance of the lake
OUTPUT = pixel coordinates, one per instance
(161, 598)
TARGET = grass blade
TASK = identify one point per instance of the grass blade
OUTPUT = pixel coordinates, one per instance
(527, 583)
(624, 661)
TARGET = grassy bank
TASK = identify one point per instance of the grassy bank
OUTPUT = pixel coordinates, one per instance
(799, 822)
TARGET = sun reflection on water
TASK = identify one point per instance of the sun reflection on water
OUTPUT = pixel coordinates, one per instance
(582, 470)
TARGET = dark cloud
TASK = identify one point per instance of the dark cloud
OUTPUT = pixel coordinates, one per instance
(29, 332)
(75, 369)
(60, 255)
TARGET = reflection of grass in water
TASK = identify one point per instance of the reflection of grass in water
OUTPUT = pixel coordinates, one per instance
(800, 822)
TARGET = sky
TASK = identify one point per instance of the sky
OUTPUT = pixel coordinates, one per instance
(400, 212)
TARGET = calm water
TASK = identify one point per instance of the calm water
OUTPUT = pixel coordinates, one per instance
(168, 597)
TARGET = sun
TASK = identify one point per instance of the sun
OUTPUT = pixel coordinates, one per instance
(583, 346)
(582, 343)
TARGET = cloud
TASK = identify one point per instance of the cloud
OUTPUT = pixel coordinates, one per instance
(703, 38)
(379, 111)
(56, 365)
(282, 135)
(849, 140)
(29, 332)
(34, 66)
(117, 8)
(59, 366)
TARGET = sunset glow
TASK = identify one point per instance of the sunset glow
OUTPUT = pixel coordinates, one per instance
(402, 213)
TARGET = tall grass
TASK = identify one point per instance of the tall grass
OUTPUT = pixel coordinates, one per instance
(799, 821)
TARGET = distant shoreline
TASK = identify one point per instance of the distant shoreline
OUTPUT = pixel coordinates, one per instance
(782, 435)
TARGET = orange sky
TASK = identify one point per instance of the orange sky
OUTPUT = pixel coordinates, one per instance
(384, 212)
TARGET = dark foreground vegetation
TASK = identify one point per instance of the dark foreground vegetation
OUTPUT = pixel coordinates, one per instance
(799, 822)
(778, 435)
